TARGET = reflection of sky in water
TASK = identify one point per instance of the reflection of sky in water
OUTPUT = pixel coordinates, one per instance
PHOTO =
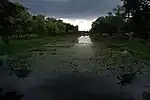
(84, 47)
(84, 40)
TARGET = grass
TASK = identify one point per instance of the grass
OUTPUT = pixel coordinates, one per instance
(134, 46)
(17, 46)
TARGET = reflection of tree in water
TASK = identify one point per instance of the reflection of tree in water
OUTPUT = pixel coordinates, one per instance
(146, 95)
(127, 68)
(14, 95)
(126, 78)
(21, 66)
(124, 66)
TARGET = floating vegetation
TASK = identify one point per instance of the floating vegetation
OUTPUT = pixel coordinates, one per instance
(20, 66)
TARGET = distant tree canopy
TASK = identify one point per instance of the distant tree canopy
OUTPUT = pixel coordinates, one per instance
(108, 24)
(16, 20)
(111, 23)
(132, 16)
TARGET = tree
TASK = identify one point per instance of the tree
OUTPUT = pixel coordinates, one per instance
(7, 10)
(118, 11)
(22, 21)
(38, 24)
(119, 19)
(138, 11)
(61, 27)
(105, 24)
(17, 21)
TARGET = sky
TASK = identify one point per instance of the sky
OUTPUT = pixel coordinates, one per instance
(76, 12)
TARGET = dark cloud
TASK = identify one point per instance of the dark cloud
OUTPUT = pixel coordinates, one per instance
(71, 8)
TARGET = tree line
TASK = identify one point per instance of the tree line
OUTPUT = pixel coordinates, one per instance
(16, 21)
(133, 17)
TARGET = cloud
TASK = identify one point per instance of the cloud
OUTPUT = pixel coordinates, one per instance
(76, 12)
(71, 8)
(84, 25)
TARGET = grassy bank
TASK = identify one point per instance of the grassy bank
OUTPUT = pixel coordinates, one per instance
(134, 46)
(21, 45)
(142, 50)
(17, 46)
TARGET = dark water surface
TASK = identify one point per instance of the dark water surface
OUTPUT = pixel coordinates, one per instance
(72, 71)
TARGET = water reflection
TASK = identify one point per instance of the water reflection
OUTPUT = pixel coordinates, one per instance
(79, 87)
(13, 95)
(21, 66)
(84, 40)
(81, 59)
(126, 79)
(126, 68)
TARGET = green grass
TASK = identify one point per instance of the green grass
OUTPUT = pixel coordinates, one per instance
(17, 46)
(134, 45)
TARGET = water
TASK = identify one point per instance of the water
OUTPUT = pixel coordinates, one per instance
(84, 40)
(69, 71)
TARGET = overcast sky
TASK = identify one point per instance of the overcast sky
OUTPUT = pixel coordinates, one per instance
(77, 11)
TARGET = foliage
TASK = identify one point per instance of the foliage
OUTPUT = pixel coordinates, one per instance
(17, 21)
(138, 13)
(7, 10)
(22, 45)
(112, 23)
(15, 95)
(132, 16)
